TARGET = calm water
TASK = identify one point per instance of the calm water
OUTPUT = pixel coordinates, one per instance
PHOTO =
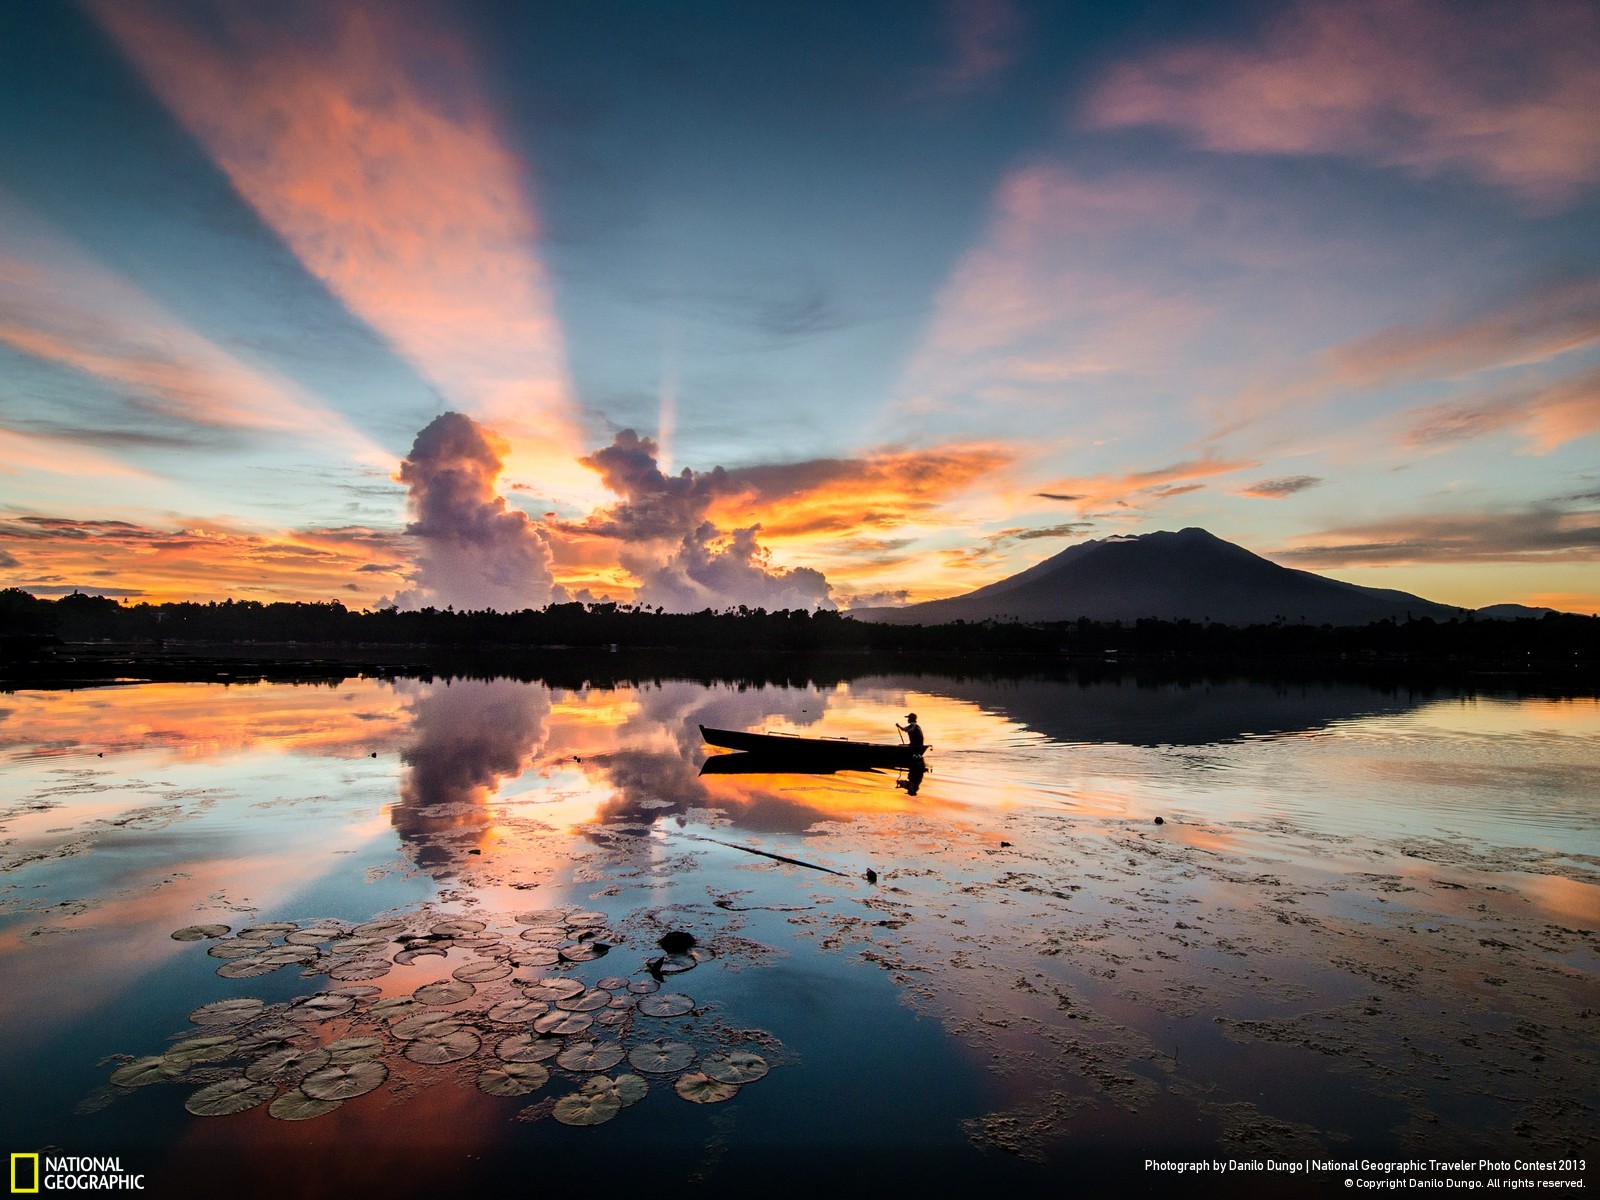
(1369, 923)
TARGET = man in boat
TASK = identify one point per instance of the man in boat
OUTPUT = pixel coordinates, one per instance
(913, 733)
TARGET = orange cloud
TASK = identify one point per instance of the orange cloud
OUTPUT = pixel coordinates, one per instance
(1548, 417)
(1425, 85)
(1139, 488)
(205, 561)
(360, 134)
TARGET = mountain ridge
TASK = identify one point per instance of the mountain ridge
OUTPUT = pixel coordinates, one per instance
(1190, 574)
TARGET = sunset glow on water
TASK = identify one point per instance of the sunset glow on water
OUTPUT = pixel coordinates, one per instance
(1039, 974)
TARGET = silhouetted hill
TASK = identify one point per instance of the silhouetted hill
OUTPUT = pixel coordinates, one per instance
(1189, 575)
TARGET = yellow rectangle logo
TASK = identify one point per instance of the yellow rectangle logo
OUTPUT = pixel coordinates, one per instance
(17, 1187)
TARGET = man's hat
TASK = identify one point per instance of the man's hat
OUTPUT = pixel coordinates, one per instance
(911, 716)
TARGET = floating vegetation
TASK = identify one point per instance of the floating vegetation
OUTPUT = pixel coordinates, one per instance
(354, 1049)
(198, 933)
(590, 1056)
(157, 1068)
(563, 1023)
(528, 1047)
(290, 1063)
(666, 1004)
(628, 1089)
(736, 1067)
(661, 1058)
(227, 1012)
(445, 991)
(587, 1107)
(589, 1001)
(228, 1096)
(553, 988)
(276, 1048)
(518, 1012)
(513, 1078)
(444, 1046)
(699, 1088)
(297, 1106)
(345, 1080)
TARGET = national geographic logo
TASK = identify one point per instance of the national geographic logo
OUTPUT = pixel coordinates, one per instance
(31, 1173)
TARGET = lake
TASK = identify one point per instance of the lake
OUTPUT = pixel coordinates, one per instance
(407, 934)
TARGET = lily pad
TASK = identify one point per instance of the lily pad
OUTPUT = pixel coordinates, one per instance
(611, 1017)
(661, 1058)
(249, 968)
(583, 952)
(643, 987)
(268, 929)
(314, 935)
(321, 1006)
(544, 935)
(444, 991)
(590, 1056)
(630, 1089)
(360, 968)
(228, 1012)
(451, 1047)
(425, 1024)
(359, 947)
(537, 956)
(677, 964)
(587, 1108)
(237, 947)
(345, 1081)
(665, 1004)
(518, 1012)
(394, 1008)
(354, 1049)
(288, 1063)
(698, 1088)
(513, 1078)
(613, 983)
(483, 972)
(356, 991)
(539, 916)
(228, 1096)
(736, 1066)
(528, 1047)
(410, 955)
(203, 1049)
(553, 988)
(297, 1106)
(198, 933)
(578, 920)
(379, 929)
(141, 1072)
(454, 927)
(563, 1023)
(588, 1001)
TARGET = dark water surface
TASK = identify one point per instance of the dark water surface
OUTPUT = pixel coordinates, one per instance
(1368, 925)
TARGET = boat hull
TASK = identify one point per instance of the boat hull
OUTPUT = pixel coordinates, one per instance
(777, 747)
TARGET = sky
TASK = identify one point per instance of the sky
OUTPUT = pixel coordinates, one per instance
(490, 304)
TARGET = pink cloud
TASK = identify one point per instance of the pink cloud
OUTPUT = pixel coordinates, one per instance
(986, 36)
(359, 133)
(1507, 96)
(1548, 417)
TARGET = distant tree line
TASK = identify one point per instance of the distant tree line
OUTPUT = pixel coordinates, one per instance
(1551, 641)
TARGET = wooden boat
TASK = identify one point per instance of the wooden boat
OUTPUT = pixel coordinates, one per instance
(834, 752)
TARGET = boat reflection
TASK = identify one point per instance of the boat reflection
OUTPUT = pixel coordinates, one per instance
(909, 778)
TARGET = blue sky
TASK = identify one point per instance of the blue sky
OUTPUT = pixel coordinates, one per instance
(942, 289)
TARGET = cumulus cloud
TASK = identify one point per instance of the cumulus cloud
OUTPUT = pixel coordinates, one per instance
(712, 569)
(1425, 85)
(473, 551)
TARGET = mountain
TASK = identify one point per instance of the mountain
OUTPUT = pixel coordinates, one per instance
(1189, 574)
(1511, 612)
